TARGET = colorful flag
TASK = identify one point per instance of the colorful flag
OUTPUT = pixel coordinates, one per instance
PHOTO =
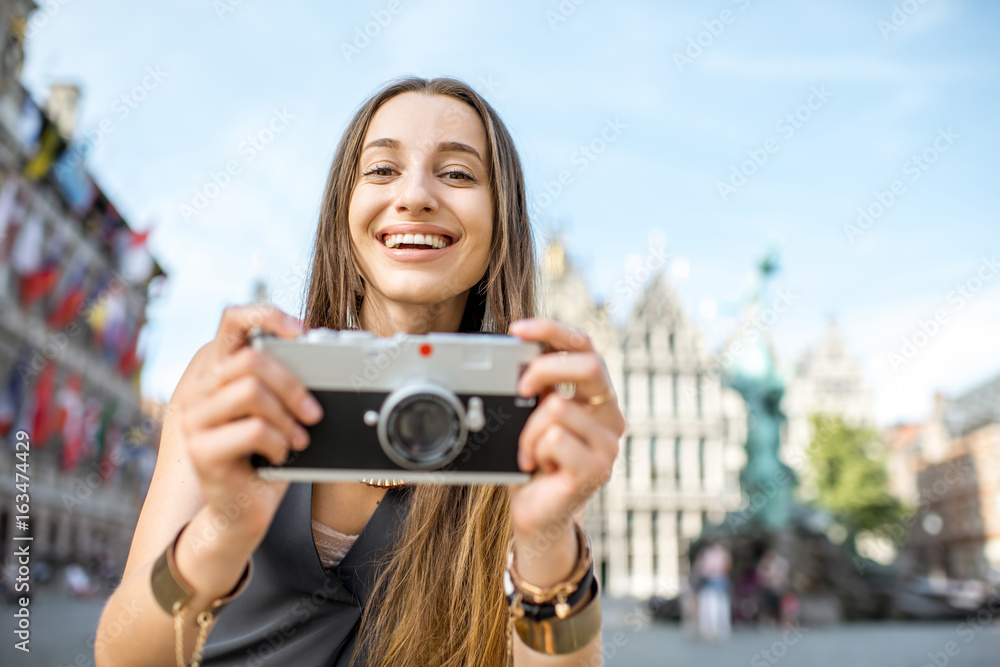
(104, 429)
(50, 147)
(38, 283)
(9, 213)
(134, 260)
(45, 423)
(92, 415)
(29, 125)
(26, 257)
(72, 410)
(68, 296)
(112, 452)
(13, 392)
(116, 326)
(74, 182)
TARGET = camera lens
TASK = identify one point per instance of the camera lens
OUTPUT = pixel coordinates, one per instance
(423, 430)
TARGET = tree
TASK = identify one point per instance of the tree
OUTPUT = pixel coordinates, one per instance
(851, 479)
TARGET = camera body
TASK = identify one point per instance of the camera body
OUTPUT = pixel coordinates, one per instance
(439, 408)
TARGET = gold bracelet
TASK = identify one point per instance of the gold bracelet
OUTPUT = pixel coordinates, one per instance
(559, 636)
(172, 592)
(560, 591)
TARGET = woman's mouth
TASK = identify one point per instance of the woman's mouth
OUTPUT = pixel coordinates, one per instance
(416, 241)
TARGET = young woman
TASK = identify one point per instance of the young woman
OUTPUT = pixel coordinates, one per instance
(357, 573)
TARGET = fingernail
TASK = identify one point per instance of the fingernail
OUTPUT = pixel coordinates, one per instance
(301, 438)
(311, 409)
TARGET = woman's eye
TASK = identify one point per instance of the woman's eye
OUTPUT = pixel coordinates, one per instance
(458, 174)
(379, 170)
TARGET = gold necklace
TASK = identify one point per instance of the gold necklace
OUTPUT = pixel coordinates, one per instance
(380, 483)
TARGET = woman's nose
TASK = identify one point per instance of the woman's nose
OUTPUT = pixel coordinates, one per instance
(415, 196)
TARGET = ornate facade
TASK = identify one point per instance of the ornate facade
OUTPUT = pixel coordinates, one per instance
(679, 463)
(827, 381)
(71, 309)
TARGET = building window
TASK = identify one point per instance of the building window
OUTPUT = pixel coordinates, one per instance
(656, 543)
(625, 382)
(629, 528)
(653, 471)
(701, 460)
(670, 342)
(698, 390)
(683, 563)
(675, 380)
(677, 462)
(628, 458)
(652, 402)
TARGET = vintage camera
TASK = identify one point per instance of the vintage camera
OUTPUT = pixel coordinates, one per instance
(439, 408)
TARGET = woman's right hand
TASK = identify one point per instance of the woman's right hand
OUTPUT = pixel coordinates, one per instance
(234, 401)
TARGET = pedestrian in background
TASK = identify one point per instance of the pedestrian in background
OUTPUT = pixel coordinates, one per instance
(714, 614)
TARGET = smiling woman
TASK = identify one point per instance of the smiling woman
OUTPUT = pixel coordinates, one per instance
(423, 228)
(427, 179)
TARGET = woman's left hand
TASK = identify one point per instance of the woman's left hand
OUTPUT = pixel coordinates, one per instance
(570, 444)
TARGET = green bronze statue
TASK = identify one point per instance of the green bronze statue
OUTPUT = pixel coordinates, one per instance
(766, 482)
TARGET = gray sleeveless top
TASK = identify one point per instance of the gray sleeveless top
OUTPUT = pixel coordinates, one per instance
(294, 612)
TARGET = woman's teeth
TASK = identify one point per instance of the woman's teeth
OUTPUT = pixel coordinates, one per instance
(428, 240)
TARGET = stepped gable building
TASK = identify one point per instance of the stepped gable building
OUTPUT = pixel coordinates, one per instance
(827, 381)
(563, 295)
(679, 463)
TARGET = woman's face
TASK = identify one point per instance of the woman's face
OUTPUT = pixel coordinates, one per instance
(421, 212)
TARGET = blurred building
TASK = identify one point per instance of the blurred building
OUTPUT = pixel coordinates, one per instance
(903, 461)
(74, 280)
(679, 464)
(952, 461)
(827, 381)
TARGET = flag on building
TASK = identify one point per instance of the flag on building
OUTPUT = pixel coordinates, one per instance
(10, 212)
(13, 393)
(45, 423)
(72, 412)
(104, 428)
(92, 414)
(76, 185)
(29, 125)
(51, 145)
(42, 279)
(67, 298)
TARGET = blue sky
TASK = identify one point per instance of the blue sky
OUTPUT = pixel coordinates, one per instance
(881, 93)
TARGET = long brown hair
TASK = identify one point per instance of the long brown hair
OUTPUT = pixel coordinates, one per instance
(439, 597)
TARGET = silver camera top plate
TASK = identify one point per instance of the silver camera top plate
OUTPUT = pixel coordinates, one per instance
(324, 359)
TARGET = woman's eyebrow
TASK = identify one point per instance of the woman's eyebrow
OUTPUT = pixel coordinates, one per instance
(443, 147)
(458, 147)
(382, 143)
